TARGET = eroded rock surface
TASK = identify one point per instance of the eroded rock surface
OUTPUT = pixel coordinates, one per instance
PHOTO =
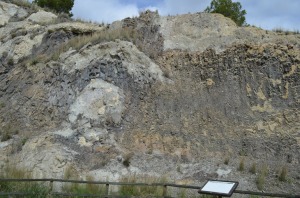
(197, 32)
(191, 92)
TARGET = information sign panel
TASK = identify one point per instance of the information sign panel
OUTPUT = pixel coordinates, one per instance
(217, 187)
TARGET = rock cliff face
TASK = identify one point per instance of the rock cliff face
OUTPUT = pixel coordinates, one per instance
(191, 92)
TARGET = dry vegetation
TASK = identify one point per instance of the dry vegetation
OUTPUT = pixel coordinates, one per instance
(242, 165)
(252, 169)
(78, 42)
(6, 132)
(84, 189)
(142, 191)
(261, 177)
(285, 31)
(283, 174)
(37, 189)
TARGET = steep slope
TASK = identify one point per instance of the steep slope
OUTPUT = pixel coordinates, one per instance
(191, 92)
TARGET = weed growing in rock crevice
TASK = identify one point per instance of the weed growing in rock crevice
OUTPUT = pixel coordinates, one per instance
(226, 161)
(7, 132)
(241, 165)
(283, 174)
(253, 168)
(127, 158)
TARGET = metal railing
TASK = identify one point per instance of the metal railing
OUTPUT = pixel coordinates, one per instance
(108, 184)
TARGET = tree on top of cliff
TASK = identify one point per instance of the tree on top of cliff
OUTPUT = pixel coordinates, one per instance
(59, 6)
(229, 9)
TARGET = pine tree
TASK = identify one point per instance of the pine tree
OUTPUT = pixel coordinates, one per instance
(60, 6)
(228, 9)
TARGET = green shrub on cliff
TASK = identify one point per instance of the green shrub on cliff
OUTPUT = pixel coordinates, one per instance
(60, 6)
(229, 9)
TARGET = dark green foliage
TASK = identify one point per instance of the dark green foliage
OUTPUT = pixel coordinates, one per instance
(226, 161)
(2, 105)
(5, 136)
(126, 162)
(60, 6)
(10, 62)
(229, 9)
(127, 158)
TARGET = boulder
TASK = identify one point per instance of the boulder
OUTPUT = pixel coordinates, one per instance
(42, 17)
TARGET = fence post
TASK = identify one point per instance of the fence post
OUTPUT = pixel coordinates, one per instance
(106, 190)
(51, 186)
(165, 190)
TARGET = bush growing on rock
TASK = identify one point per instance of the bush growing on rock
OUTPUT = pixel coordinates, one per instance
(60, 6)
(229, 9)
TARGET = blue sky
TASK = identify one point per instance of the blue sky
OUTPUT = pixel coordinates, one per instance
(267, 14)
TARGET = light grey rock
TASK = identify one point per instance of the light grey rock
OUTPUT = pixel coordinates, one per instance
(43, 158)
(99, 101)
(8, 10)
(138, 65)
(75, 27)
(96, 135)
(19, 38)
(42, 17)
(200, 31)
(66, 132)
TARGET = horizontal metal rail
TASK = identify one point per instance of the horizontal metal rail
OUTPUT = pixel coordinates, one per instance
(265, 194)
(164, 185)
(15, 193)
(85, 195)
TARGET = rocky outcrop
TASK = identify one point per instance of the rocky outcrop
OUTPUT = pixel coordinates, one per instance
(192, 91)
(9, 11)
(42, 17)
(75, 27)
(197, 32)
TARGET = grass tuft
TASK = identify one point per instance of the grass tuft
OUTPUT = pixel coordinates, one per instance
(70, 172)
(280, 30)
(226, 161)
(253, 168)
(7, 132)
(76, 43)
(2, 105)
(127, 158)
(241, 165)
(85, 189)
(283, 174)
(140, 191)
(261, 178)
(37, 189)
(260, 181)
